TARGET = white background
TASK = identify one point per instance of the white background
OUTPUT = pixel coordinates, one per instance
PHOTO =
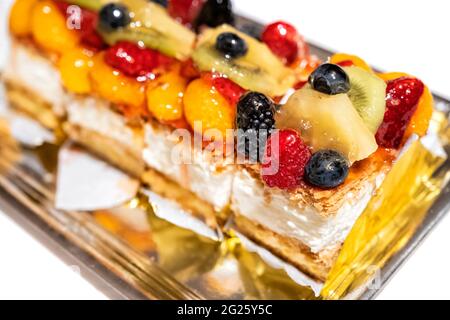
(395, 35)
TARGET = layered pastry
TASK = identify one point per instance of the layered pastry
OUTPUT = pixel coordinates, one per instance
(232, 125)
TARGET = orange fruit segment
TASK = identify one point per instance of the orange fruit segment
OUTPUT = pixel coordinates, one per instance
(49, 28)
(113, 86)
(74, 69)
(339, 58)
(165, 96)
(19, 18)
(204, 106)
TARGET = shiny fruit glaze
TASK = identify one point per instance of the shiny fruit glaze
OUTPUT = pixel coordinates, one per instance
(165, 97)
(74, 67)
(114, 86)
(285, 150)
(227, 88)
(205, 105)
(19, 19)
(402, 98)
(185, 11)
(50, 30)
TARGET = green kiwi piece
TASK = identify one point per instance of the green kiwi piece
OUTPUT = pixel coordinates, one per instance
(368, 95)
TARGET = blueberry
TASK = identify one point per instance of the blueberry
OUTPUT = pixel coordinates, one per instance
(215, 13)
(113, 16)
(330, 79)
(163, 3)
(231, 45)
(327, 169)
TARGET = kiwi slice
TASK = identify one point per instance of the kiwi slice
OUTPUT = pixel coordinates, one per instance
(259, 70)
(368, 95)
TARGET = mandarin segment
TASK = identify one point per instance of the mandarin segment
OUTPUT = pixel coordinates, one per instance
(115, 87)
(206, 106)
(19, 18)
(421, 119)
(347, 60)
(165, 97)
(50, 30)
(74, 69)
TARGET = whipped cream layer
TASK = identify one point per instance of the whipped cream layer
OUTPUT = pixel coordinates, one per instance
(274, 211)
(209, 179)
(95, 114)
(37, 74)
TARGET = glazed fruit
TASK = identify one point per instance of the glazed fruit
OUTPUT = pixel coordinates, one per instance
(285, 41)
(330, 79)
(367, 93)
(185, 11)
(165, 97)
(284, 160)
(154, 28)
(164, 3)
(206, 106)
(87, 28)
(113, 16)
(327, 122)
(131, 59)
(348, 60)
(421, 119)
(74, 67)
(231, 45)
(94, 5)
(255, 117)
(327, 169)
(113, 86)
(49, 28)
(227, 88)
(215, 13)
(259, 70)
(402, 99)
(19, 18)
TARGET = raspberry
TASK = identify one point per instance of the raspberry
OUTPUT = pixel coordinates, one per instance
(185, 11)
(284, 41)
(290, 156)
(402, 97)
(131, 59)
(227, 88)
(88, 25)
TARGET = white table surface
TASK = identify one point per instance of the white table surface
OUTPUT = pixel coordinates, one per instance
(398, 35)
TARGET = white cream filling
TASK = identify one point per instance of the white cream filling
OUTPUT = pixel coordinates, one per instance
(208, 180)
(37, 74)
(94, 114)
(304, 224)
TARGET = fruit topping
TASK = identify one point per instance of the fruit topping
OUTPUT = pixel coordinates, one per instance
(327, 169)
(421, 119)
(19, 17)
(348, 60)
(113, 86)
(50, 30)
(74, 67)
(231, 45)
(131, 59)
(227, 88)
(258, 70)
(164, 3)
(165, 96)
(285, 41)
(114, 16)
(206, 109)
(185, 11)
(327, 122)
(367, 93)
(87, 25)
(285, 159)
(215, 13)
(153, 27)
(255, 118)
(330, 79)
(402, 98)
